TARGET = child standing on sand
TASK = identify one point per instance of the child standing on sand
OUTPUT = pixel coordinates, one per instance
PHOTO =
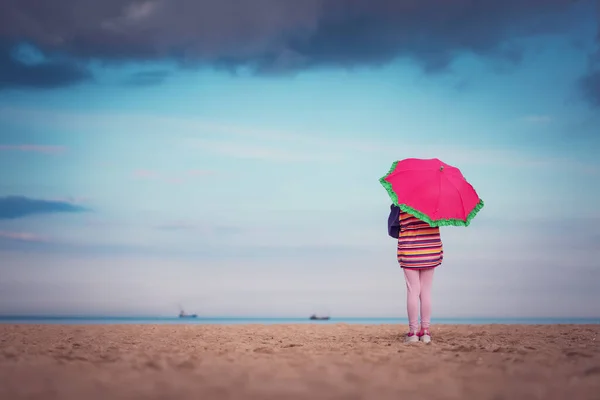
(420, 250)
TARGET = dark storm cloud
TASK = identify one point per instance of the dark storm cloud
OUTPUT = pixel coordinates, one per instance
(46, 74)
(590, 82)
(12, 207)
(590, 85)
(277, 36)
(268, 32)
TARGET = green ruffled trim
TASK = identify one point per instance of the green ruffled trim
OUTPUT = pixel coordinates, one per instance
(443, 222)
(419, 214)
(388, 186)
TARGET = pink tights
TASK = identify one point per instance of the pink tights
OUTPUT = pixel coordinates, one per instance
(418, 285)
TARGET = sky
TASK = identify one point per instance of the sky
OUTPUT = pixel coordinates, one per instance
(225, 156)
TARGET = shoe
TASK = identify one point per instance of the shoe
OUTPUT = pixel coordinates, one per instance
(411, 337)
(424, 336)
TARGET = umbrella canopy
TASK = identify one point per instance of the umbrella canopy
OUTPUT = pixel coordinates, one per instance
(432, 191)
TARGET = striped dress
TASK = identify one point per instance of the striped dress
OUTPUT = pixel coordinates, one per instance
(419, 245)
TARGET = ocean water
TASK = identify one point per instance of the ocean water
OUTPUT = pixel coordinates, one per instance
(18, 319)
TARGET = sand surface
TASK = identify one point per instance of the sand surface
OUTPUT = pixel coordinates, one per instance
(298, 362)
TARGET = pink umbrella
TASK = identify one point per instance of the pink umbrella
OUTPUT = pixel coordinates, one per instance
(432, 191)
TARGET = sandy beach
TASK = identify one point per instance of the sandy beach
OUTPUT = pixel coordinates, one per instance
(335, 361)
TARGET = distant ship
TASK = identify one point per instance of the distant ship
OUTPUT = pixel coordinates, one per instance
(183, 314)
(315, 317)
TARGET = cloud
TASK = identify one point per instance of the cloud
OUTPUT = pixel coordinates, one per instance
(590, 86)
(177, 226)
(590, 82)
(148, 174)
(185, 226)
(21, 236)
(145, 174)
(272, 36)
(12, 207)
(72, 199)
(34, 148)
(265, 152)
(43, 74)
(147, 78)
(279, 143)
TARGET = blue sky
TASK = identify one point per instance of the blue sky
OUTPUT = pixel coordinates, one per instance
(149, 160)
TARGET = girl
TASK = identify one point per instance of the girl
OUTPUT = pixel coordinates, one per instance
(420, 250)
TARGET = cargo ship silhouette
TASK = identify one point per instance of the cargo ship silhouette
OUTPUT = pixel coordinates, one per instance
(183, 314)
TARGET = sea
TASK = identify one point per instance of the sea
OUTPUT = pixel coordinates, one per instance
(174, 320)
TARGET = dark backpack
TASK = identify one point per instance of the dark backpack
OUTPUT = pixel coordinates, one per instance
(394, 221)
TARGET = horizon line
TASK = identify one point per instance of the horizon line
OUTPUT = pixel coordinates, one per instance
(258, 317)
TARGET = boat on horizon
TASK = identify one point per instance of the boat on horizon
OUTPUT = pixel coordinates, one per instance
(183, 314)
(315, 317)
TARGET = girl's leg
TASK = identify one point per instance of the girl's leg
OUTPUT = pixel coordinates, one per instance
(413, 290)
(426, 280)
